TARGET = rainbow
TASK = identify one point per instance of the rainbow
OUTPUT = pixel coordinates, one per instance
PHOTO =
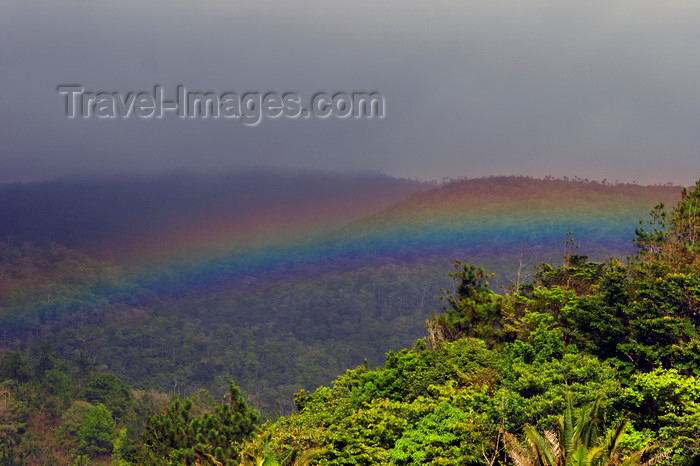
(489, 215)
(476, 220)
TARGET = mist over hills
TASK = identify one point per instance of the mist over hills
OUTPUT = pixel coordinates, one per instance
(122, 218)
(278, 281)
(127, 219)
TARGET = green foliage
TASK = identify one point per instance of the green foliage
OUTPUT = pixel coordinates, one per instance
(471, 310)
(210, 438)
(672, 242)
(537, 392)
(443, 406)
(109, 390)
(669, 403)
(15, 365)
(544, 341)
(96, 432)
(73, 417)
(450, 432)
(120, 450)
(43, 421)
(13, 424)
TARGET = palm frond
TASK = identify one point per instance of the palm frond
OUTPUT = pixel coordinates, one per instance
(539, 446)
(517, 452)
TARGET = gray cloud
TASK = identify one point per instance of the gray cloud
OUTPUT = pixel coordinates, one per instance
(593, 89)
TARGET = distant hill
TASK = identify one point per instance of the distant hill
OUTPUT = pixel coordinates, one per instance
(523, 196)
(502, 212)
(317, 216)
(131, 218)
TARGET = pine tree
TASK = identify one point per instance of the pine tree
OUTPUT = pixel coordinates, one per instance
(96, 433)
(212, 438)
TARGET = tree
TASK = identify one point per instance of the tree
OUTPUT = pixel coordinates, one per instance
(13, 417)
(120, 451)
(471, 309)
(109, 390)
(72, 419)
(14, 365)
(212, 438)
(673, 240)
(96, 433)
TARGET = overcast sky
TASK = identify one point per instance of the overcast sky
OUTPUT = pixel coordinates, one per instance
(595, 89)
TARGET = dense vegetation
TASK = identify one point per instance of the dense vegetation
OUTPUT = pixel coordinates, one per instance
(618, 341)
(590, 362)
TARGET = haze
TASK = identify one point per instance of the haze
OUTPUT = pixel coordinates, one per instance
(591, 89)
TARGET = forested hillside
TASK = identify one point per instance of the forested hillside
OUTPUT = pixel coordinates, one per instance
(495, 360)
(293, 314)
(590, 363)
